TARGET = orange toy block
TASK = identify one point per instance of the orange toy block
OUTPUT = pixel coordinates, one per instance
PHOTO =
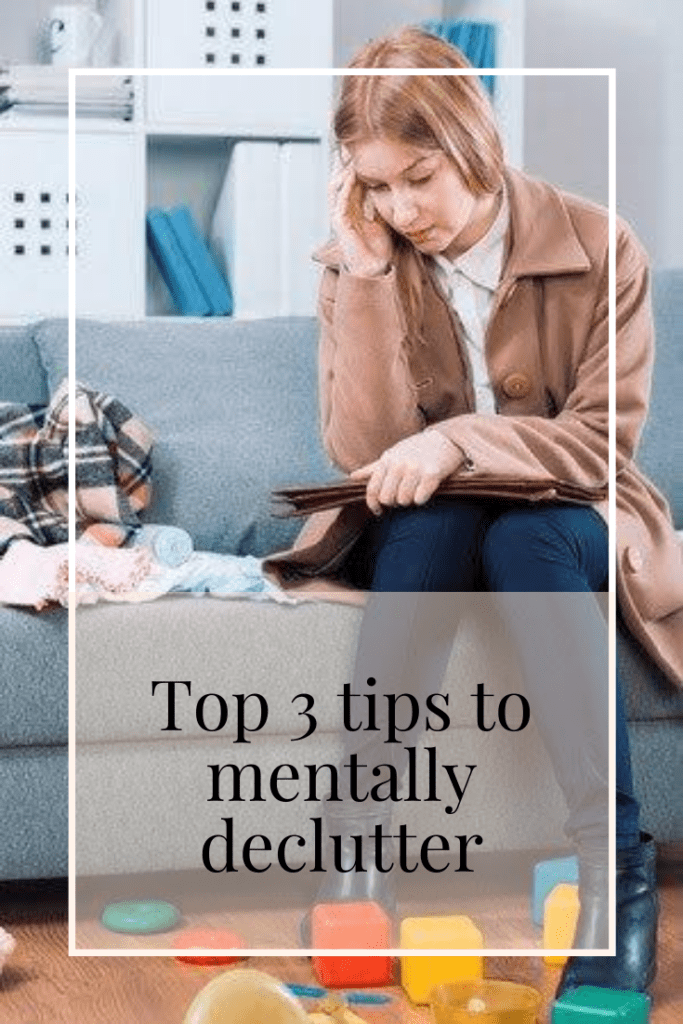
(351, 926)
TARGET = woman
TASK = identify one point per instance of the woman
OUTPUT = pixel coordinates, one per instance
(464, 319)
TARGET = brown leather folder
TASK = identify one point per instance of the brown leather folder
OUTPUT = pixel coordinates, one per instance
(302, 500)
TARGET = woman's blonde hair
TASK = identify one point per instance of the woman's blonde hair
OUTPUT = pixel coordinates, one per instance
(451, 113)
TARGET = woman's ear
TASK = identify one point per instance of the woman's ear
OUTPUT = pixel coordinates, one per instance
(369, 208)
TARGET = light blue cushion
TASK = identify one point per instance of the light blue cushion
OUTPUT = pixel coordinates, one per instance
(22, 377)
(233, 405)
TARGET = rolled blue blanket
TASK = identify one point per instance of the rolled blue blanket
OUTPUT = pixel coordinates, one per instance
(170, 545)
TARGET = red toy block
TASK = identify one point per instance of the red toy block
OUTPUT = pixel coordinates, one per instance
(351, 926)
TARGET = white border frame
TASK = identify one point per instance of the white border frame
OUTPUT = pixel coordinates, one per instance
(610, 74)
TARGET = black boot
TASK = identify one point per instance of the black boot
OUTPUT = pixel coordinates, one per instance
(634, 966)
(350, 886)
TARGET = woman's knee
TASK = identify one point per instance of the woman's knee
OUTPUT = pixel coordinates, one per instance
(526, 550)
(430, 547)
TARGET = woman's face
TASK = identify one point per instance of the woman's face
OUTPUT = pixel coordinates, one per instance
(421, 195)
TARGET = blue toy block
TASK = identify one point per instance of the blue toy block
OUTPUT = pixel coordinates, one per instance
(548, 874)
(591, 1005)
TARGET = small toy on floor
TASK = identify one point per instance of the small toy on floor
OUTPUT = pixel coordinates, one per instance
(352, 925)
(561, 912)
(140, 917)
(243, 995)
(419, 974)
(588, 1004)
(336, 1010)
(7, 946)
(361, 998)
(208, 938)
(484, 1001)
(548, 874)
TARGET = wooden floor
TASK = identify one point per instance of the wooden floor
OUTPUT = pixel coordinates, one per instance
(41, 984)
(264, 909)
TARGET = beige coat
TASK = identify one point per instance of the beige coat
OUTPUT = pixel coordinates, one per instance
(547, 355)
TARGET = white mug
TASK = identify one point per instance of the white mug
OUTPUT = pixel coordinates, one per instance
(71, 33)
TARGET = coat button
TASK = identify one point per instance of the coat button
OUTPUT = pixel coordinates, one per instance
(633, 559)
(516, 385)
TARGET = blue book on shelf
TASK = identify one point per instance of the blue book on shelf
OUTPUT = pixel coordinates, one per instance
(201, 261)
(173, 266)
(476, 39)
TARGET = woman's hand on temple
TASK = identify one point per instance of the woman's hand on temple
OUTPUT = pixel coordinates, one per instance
(410, 471)
(364, 238)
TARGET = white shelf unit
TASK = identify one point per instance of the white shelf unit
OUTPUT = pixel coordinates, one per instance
(176, 150)
(238, 34)
(34, 223)
(185, 131)
(274, 166)
(210, 133)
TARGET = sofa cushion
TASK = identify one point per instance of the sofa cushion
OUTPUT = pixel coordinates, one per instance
(233, 406)
(34, 811)
(22, 377)
(226, 646)
(33, 651)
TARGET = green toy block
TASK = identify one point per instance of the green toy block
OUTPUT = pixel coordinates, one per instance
(588, 1004)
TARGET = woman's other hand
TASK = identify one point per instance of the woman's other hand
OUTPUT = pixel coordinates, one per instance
(410, 471)
(364, 238)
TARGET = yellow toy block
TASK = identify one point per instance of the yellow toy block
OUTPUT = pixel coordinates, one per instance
(419, 974)
(561, 911)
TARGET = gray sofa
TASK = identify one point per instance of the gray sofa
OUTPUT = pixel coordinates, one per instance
(234, 410)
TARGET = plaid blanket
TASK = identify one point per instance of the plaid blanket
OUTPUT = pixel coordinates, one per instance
(113, 469)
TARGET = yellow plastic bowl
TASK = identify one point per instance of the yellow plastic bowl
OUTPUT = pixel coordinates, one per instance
(484, 1001)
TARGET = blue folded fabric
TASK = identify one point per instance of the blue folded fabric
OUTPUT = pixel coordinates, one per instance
(170, 545)
(205, 572)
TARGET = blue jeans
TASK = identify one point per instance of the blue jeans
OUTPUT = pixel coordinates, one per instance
(455, 546)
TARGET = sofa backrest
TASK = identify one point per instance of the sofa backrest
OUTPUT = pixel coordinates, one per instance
(232, 404)
(661, 449)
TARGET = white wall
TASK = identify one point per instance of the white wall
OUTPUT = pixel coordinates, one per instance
(566, 137)
(643, 42)
(670, 251)
(357, 21)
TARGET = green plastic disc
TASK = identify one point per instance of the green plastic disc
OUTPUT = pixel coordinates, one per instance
(140, 917)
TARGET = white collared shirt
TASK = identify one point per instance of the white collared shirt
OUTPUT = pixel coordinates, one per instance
(469, 283)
